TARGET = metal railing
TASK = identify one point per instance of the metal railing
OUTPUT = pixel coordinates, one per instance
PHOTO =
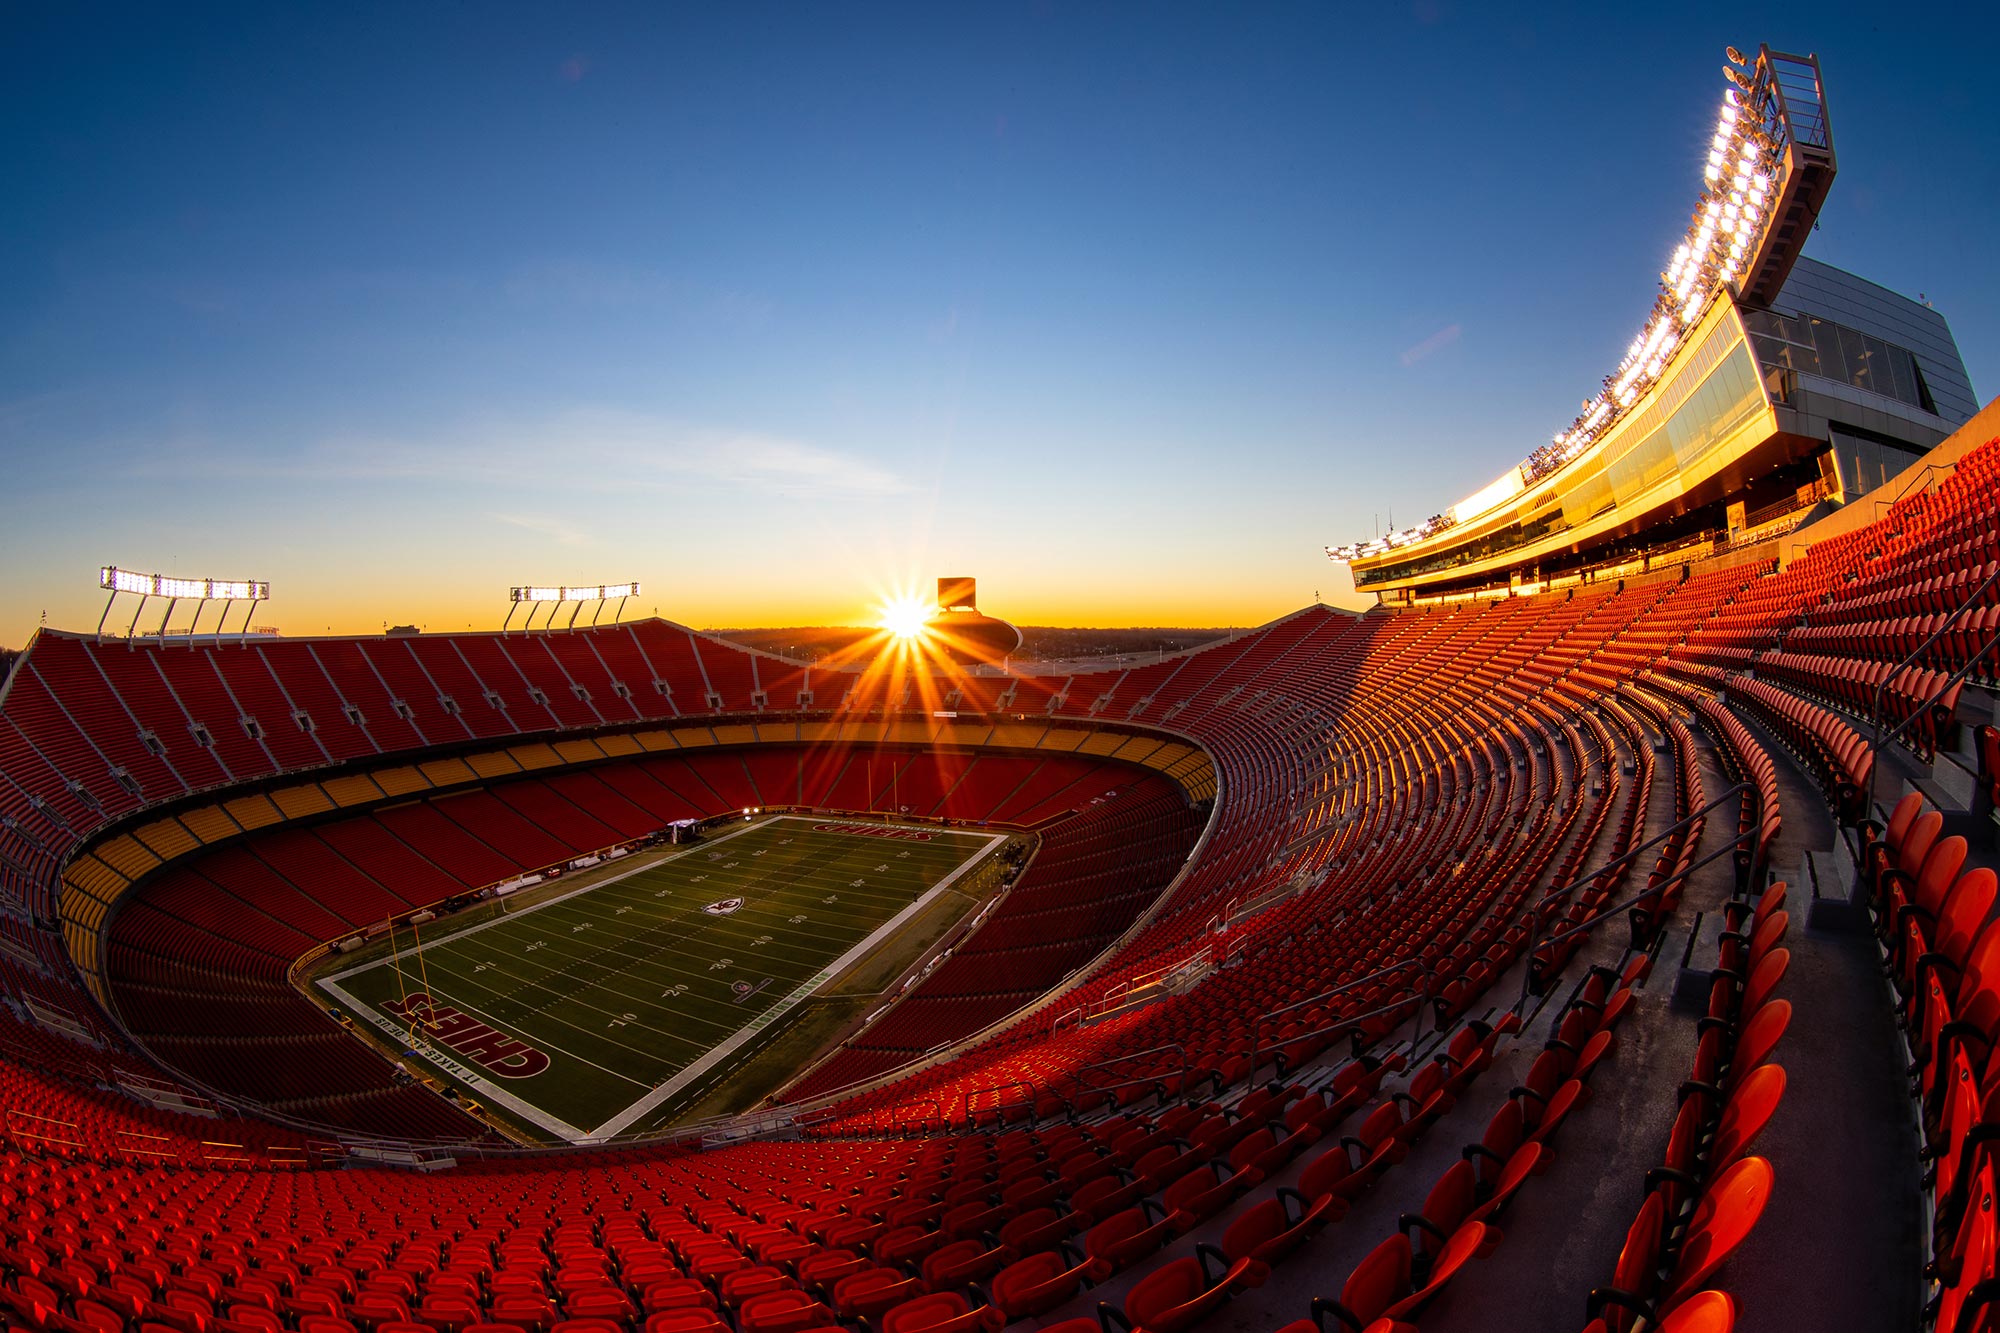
(690, 1131)
(1257, 1024)
(1918, 482)
(1545, 940)
(1149, 1080)
(17, 1117)
(971, 1099)
(1541, 940)
(1353, 1024)
(937, 1109)
(1633, 853)
(128, 1141)
(1964, 672)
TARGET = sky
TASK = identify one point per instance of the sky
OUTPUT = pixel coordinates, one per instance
(1126, 310)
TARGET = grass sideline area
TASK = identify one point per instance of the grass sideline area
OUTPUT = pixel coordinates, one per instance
(609, 1009)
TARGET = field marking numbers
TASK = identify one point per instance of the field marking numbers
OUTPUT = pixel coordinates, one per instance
(551, 902)
(552, 979)
(624, 1120)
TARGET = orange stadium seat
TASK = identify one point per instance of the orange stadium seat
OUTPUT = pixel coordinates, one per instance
(1193, 1044)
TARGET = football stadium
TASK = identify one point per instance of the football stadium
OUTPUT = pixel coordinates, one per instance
(1595, 932)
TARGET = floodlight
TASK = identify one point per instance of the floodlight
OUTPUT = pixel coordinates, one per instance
(536, 595)
(564, 593)
(202, 591)
(115, 580)
(1729, 223)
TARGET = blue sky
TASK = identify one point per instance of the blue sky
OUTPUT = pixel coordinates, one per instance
(1125, 310)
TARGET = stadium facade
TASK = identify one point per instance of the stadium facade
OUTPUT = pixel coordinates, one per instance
(1617, 951)
(1797, 385)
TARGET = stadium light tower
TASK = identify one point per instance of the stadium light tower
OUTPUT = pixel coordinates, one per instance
(202, 591)
(553, 596)
(1767, 172)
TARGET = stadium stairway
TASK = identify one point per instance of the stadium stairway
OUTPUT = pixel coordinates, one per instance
(1658, 1146)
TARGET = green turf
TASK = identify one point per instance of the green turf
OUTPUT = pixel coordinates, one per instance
(625, 985)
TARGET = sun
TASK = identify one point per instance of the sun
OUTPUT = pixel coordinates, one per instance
(906, 617)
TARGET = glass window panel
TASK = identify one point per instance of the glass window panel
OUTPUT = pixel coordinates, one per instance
(1900, 370)
(1855, 349)
(1826, 341)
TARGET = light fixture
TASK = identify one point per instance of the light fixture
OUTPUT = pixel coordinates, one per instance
(1728, 225)
(536, 595)
(114, 580)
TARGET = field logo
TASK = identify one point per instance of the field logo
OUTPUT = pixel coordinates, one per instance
(491, 1050)
(874, 831)
(723, 906)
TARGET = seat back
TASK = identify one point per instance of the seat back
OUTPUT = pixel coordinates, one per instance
(1752, 1101)
(1380, 1280)
(1729, 1208)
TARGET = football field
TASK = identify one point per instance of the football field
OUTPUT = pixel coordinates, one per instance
(604, 1010)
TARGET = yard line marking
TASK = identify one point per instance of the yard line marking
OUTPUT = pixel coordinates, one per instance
(815, 879)
(514, 1030)
(693, 930)
(543, 1012)
(561, 897)
(623, 1120)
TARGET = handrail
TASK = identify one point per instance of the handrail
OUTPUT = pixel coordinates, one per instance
(1955, 678)
(935, 1105)
(1076, 1075)
(690, 1131)
(17, 1133)
(1257, 1024)
(1973, 600)
(1921, 475)
(16, 1113)
(1350, 1023)
(120, 1137)
(1542, 940)
(1668, 832)
(971, 1110)
(1592, 922)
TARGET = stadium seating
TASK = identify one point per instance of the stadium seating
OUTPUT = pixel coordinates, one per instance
(1201, 1047)
(203, 952)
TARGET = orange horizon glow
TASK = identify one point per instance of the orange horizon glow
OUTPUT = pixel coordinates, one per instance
(322, 601)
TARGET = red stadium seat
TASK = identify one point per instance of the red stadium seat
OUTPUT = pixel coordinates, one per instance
(1182, 1292)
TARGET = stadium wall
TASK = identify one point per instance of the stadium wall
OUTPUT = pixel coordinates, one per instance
(1923, 474)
